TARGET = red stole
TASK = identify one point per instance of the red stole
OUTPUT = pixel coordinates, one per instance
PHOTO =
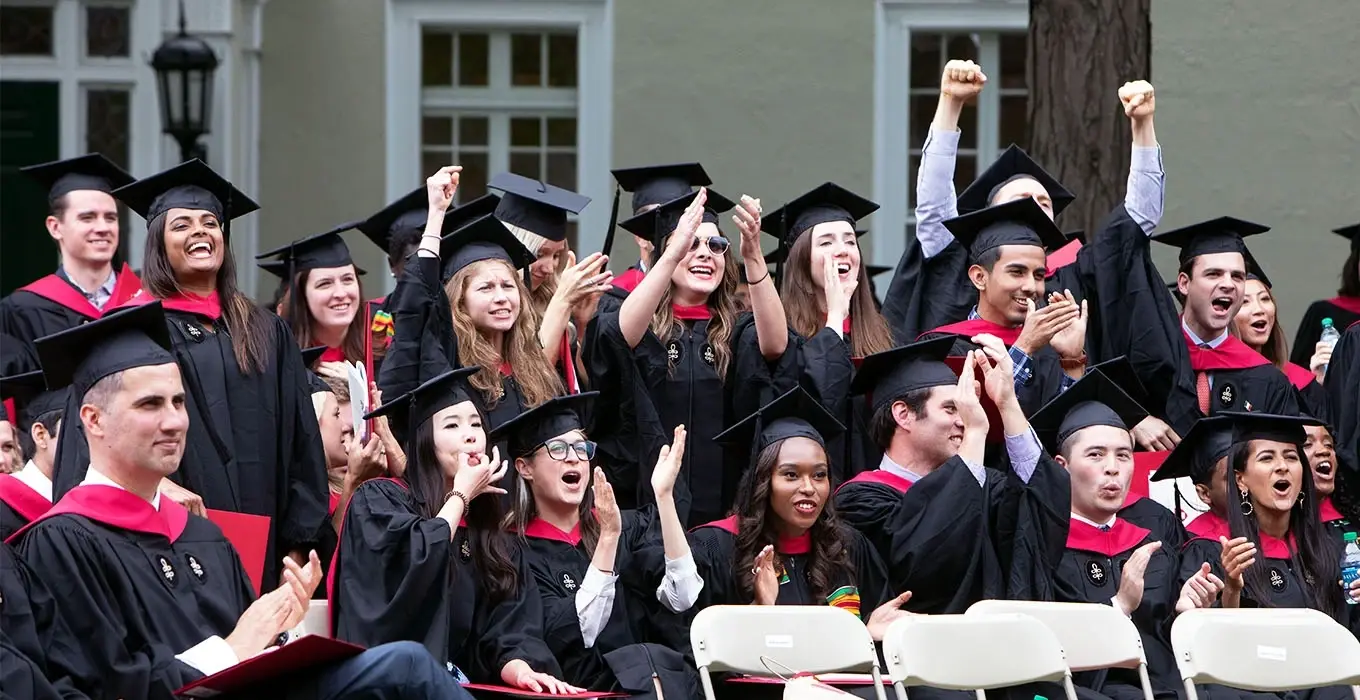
(55, 289)
(1230, 354)
(115, 507)
(1351, 304)
(1205, 525)
(1271, 547)
(801, 544)
(29, 504)
(11, 412)
(1062, 257)
(333, 355)
(334, 503)
(506, 370)
(629, 280)
(1121, 537)
(1326, 509)
(1298, 376)
(209, 307)
(541, 529)
(879, 476)
(968, 329)
(691, 313)
(568, 364)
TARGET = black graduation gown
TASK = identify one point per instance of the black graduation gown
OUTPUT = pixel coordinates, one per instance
(1310, 327)
(1240, 380)
(19, 505)
(1159, 520)
(1046, 373)
(1344, 405)
(621, 657)
(138, 586)
(253, 444)
(40, 657)
(51, 305)
(1091, 571)
(397, 576)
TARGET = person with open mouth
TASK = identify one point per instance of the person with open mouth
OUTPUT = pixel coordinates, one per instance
(1257, 326)
(423, 556)
(579, 545)
(674, 353)
(1337, 507)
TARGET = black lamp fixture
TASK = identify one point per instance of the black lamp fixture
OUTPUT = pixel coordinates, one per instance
(184, 68)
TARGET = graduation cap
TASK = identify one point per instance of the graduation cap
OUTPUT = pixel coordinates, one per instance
(536, 206)
(1221, 235)
(658, 184)
(1021, 222)
(406, 217)
(323, 250)
(81, 356)
(189, 185)
(421, 403)
(1254, 269)
(88, 172)
(1352, 233)
(311, 355)
(1096, 399)
(27, 394)
(657, 224)
(1121, 372)
(486, 238)
(556, 416)
(1013, 163)
(826, 202)
(794, 414)
(887, 376)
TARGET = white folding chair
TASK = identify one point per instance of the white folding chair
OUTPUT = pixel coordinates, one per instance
(1092, 636)
(943, 651)
(760, 640)
(315, 621)
(1265, 649)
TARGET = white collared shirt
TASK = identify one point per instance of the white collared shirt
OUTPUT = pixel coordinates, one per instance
(94, 477)
(1092, 523)
(1198, 342)
(33, 477)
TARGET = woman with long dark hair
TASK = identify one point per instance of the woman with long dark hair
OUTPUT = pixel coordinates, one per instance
(1274, 550)
(1257, 326)
(1336, 485)
(1343, 309)
(423, 557)
(594, 564)
(329, 310)
(252, 445)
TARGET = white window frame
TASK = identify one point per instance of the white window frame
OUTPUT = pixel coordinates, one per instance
(72, 71)
(894, 23)
(593, 22)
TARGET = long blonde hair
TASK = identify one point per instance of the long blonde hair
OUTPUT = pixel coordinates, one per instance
(537, 380)
(722, 308)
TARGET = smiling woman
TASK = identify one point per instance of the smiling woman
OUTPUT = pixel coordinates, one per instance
(327, 311)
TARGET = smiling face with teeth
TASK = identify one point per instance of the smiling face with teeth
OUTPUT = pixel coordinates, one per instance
(800, 485)
(835, 240)
(87, 229)
(556, 484)
(1256, 318)
(700, 272)
(1321, 452)
(332, 296)
(194, 243)
(1272, 476)
(1006, 278)
(1213, 285)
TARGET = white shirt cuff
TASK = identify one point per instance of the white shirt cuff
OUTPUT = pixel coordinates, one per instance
(681, 587)
(210, 656)
(594, 603)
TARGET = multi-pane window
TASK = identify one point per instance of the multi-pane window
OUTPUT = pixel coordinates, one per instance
(108, 30)
(499, 100)
(27, 30)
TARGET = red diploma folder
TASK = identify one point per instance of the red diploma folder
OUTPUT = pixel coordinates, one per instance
(308, 653)
(249, 534)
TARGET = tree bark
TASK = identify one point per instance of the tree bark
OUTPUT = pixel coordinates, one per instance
(1080, 53)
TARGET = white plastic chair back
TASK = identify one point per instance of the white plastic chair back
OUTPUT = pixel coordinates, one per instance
(1264, 649)
(316, 621)
(1092, 636)
(973, 652)
(769, 640)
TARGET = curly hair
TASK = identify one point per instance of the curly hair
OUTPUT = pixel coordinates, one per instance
(758, 526)
(722, 308)
(537, 379)
(869, 331)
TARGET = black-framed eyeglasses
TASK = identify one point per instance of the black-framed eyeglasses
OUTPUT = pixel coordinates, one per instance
(557, 449)
(717, 245)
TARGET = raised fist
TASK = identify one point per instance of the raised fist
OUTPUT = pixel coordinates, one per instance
(963, 80)
(1138, 98)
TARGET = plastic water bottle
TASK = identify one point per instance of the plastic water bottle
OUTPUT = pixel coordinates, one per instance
(1329, 336)
(1350, 565)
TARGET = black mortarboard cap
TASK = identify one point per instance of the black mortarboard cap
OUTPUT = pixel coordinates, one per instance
(657, 224)
(1221, 235)
(1351, 233)
(1094, 400)
(1254, 269)
(311, 355)
(1021, 222)
(88, 172)
(1210, 439)
(658, 184)
(485, 238)
(536, 206)
(886, 376)
(31, 398)
(407, 216)
(794, 414)
(189, 185)
(826, 202)
(556, 416)
(319, 251)
(421, 403)
(81, 356)
(1121, 372)
(1011, 164)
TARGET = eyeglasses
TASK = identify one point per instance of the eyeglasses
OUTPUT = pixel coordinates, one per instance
(718, 245)
(557, 449)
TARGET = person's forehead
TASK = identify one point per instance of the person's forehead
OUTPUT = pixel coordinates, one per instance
(90, 200)
(1020, 187)
(1102, 436)
(832, 228)
(1232, 262)
(1031, 255)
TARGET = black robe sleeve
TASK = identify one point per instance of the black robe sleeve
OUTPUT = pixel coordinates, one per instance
(926, 293)
(1031, 529)
(1310, 329)
(1343, 396)
(871, 509)
(40, 656)
(513, 629)
(304, 495)
(423, 344)
(753, 381)
(871, 575)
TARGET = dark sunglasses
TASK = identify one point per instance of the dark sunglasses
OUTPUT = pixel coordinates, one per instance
(717, 245)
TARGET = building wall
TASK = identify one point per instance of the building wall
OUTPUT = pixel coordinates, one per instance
(772, 103)
(321, 140)
(1258, 114)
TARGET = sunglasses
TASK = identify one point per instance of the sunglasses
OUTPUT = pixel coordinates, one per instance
(717, 245)
(557, 449)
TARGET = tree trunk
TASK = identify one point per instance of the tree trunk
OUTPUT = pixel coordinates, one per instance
(1080, 53)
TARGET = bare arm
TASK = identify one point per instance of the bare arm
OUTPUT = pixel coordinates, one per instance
(635, 316)
(771, 322)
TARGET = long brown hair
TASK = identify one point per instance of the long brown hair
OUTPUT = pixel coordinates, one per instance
(251, 330)
(869, 332)
(1276, 348)
(722, 309)
(757, 526)
(353, 344)
(536, 378)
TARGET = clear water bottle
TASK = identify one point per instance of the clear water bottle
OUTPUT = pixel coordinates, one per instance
(1329, 336)
(1350, 565)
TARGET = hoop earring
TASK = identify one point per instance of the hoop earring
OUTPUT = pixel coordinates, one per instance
(1299, 504)
(1247, 508)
